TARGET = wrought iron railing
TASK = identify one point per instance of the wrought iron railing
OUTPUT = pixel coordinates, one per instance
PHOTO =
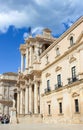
(58, 85)
(46, 90)
(73, 79)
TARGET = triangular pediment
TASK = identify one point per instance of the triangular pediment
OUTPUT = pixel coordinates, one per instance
(58, 68)
(75, 94)
(48, 74)
(72, 59)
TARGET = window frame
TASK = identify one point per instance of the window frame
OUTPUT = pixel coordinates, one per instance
(59, 79)
(71, 40)
(49, 109)
(60, 108)
(76, 101)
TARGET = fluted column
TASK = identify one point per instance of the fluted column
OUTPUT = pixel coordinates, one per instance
(31, 56)
(35, 97)
(22, 62)
(26, 101)
(27, 58)
(30, 98)
(18, 103)
(21, 104)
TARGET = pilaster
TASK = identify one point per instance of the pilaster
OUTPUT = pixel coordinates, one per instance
(22, 62)
(35, 97)
(21, 104)
(18, 103)
(30, 98)
(26, 100)
(27, 58)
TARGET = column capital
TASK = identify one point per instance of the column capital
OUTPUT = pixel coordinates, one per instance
(27, 85)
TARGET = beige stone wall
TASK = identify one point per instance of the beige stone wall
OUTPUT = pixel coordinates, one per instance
(63, 45)
(62, 64)
(66, 96)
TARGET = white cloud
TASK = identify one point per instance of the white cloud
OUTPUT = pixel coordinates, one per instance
(37, 30)
(34, 32)
(38, 13)
(25, 35)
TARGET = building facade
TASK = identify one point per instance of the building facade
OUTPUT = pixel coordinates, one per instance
(51, 79)
(8, 92)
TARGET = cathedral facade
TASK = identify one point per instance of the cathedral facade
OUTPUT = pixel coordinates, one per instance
(50, 83)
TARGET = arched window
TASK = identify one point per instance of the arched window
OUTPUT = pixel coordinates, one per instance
(57, 51)
(71, 40)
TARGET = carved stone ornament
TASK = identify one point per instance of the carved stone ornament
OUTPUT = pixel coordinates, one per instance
(58, 68)
(72, 59)
(49, 101)
(48, 74)
(60, 99)
(75, 94)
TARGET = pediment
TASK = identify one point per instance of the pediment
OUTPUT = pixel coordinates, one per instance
(72, 59)
(48, 74)
(75, 94)
(58, 68)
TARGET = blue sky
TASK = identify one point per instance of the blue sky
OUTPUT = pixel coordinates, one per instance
(16, 16)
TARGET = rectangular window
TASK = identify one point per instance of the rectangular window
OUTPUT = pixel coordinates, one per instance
(71, 41)
(73, 69)
(49, 109)
(60, 107)
(59, 80)
(57, 52)
(48, 84)
(76, 105)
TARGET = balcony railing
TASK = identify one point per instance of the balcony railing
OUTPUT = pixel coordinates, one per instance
(59, 85)
(46, 90)
(71, 80)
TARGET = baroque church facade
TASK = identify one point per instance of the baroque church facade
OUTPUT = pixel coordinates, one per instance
(50, 83)
(8, 92)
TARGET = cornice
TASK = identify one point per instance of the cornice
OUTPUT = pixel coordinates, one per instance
(36, 72)
(79, 21)
(10, 74)
(64, 87)
(39, 38)
(8, 80)
(23, 48)
(64, 55)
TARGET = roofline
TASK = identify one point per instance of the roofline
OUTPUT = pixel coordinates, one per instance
(80, 20)
(10, 74)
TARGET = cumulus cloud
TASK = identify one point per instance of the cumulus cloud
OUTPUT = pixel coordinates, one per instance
(39, 13)
(34, 32)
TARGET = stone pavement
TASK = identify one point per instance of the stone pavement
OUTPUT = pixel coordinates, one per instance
(41, 126)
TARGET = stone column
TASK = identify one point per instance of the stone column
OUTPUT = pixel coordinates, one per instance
(26, 101)
(31, 56)
(30, 99)
(36, 98)
(21, 104)
(27, 64)
(22, 62)
(18, 103)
